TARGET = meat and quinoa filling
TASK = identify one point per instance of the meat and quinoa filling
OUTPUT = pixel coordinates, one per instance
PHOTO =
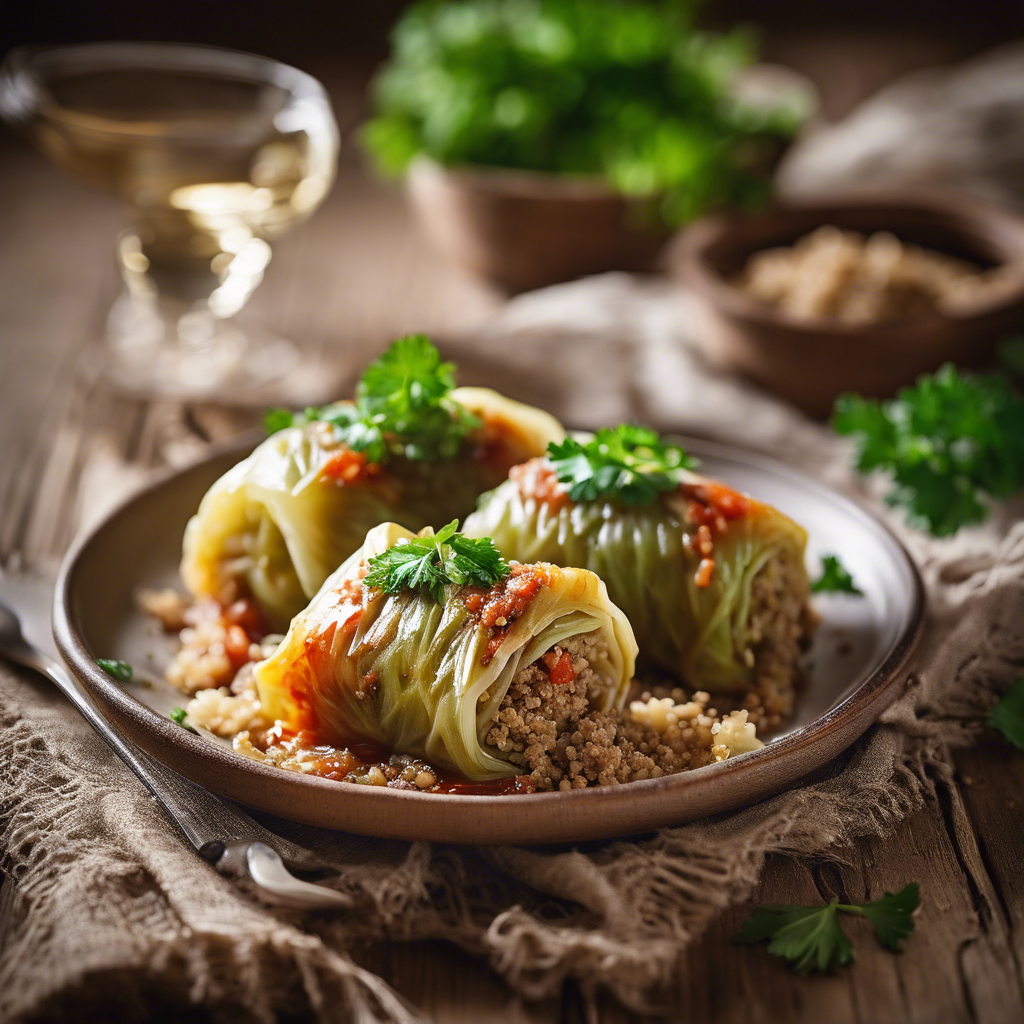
(546, 727)
(781, 626)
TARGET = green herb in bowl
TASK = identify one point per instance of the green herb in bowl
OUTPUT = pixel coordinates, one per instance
(625, 91)
(603, 115)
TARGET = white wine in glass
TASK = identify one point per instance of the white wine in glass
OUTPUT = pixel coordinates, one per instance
(216, 154)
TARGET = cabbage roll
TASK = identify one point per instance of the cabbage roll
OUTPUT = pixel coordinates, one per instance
(279, 523)
(712, 581)
(425, 673)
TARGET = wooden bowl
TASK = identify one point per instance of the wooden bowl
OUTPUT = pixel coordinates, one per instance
(811, 362)
(523, 229)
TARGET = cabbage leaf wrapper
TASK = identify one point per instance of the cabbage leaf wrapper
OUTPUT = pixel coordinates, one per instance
(417, 676)
(695, 571)
(275, 526)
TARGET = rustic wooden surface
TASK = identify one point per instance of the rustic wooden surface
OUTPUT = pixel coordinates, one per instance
(341, 286)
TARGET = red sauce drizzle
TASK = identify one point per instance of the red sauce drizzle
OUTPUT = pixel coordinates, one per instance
(449, 782)
(498, 607)
(341, 763)
(709, 506)
(537, 480)
(349, 467)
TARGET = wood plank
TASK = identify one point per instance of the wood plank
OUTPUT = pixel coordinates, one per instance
(991, 776)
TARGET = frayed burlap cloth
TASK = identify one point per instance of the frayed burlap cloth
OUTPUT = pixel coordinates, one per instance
(109, 907)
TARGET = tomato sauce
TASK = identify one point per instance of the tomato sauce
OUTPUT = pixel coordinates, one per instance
(537, 480)
(498, 607)
(370, 764)
(349, 467)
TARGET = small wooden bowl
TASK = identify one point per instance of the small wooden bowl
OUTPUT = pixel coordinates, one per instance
(523, 229)
(811, 362)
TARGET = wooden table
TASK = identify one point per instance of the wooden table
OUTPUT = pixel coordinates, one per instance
(352, 278)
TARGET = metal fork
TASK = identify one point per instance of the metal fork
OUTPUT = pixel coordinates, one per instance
(220, 832)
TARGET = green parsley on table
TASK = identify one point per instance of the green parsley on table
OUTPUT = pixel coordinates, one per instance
(812, 938)
(402, 407)
(947, 443)
(625, 92)
(629, 463)
(431, 563)
(120, 670)
(1008, 715)
(835, 578)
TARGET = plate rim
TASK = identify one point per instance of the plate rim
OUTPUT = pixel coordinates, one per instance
(169, 742)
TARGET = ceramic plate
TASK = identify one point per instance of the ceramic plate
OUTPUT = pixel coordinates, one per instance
(857, 666)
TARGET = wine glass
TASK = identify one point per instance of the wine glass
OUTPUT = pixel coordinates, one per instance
(217, 153)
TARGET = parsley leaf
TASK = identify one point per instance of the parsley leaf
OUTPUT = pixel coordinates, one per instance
(178, 715)
(947, 442)
(431, 563)
(891, 916)
(277, 419)
(808, 938)
(1008, 715)
(834, 578)
(812, 939)
(402, 407)
(403, 401)
(628, 462)
(120, 670)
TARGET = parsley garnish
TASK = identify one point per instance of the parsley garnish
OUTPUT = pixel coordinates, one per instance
(628, 462)
(277, 419)
(812, 939)
(120, 670)
(1008, 715)
(947, 442)
(178, 715)
(402, 407)
(835, 578)
(431, 563)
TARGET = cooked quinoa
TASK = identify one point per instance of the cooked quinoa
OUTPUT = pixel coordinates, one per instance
(781, 625)
(550, 731)
(858, 279)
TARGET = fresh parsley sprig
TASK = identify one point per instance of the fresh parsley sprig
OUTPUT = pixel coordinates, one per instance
(402, 407)
(835, 578)
(629, 463)
(1008, 715)
(432, 563)
(812, 939)
(947, 442)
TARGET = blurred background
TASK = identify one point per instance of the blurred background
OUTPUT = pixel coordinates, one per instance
(363, 269)
(848, 50)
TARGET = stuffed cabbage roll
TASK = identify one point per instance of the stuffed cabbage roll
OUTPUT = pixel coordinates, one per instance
(425, 671)
(712, 581)
(280, 522)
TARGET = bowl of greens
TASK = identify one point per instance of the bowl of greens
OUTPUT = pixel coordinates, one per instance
(545, 139)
